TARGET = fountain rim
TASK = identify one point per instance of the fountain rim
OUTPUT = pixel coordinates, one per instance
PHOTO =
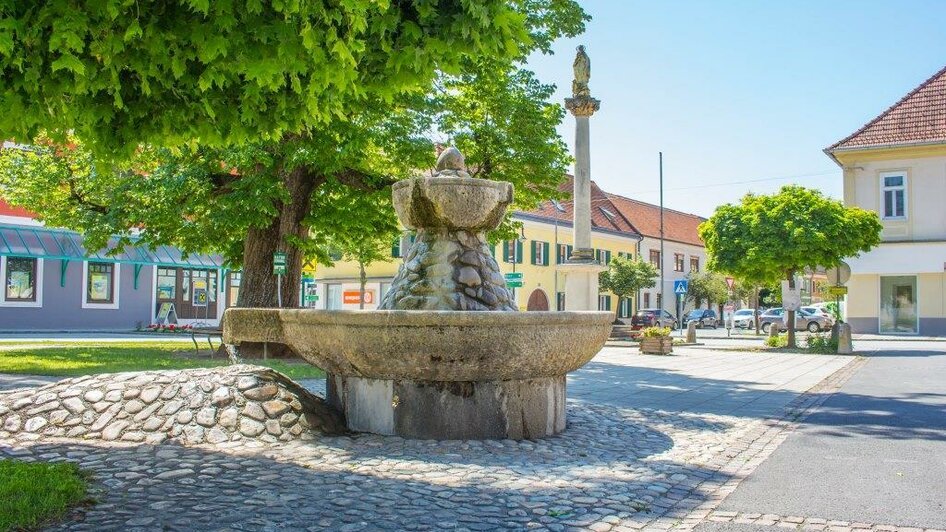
(428, 318)
(452, 180)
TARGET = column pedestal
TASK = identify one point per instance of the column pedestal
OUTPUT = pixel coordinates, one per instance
(581, 284)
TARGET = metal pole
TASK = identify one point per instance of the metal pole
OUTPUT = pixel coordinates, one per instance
(555, 264)
(663, 300)
(279, 290)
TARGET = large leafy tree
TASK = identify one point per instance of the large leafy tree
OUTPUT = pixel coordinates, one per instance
(626, 276)
(707, 286)
(250, 129)
(768, 237)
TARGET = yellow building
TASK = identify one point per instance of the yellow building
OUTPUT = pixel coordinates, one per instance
(544, 244)
(896, 166)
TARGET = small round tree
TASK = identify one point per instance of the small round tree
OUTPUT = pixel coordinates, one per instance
(625, 276)
(769, 237)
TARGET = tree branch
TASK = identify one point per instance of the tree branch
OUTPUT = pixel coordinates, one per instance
(363, 181)
(82, 200)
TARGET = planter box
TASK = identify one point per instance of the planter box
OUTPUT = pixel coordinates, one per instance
(657, 346)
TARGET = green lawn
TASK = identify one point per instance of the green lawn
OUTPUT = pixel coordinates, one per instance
(32, 494)
(83, 358)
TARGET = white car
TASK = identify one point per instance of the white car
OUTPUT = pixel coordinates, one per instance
(819, 311)
(743, 318)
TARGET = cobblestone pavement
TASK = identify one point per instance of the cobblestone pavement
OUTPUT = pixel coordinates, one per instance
(619, 465)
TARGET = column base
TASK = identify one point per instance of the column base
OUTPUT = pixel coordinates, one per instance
(439, 410)
(581, 284)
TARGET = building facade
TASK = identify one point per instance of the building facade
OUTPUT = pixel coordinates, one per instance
(896, 166)
(544, 244)
(51, 282)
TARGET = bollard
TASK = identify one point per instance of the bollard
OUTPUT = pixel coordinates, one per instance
(691, 332)
(845, 344)
(773, 330)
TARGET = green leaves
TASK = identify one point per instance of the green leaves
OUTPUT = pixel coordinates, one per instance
(767, 237)
(626, 276)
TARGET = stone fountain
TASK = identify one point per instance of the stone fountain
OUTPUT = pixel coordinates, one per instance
(447, 356)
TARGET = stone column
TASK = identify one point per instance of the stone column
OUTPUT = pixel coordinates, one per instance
(582, 268)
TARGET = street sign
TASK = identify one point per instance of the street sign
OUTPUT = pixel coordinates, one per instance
(279, 263)
(680, 286)
(791, 297)
(837, 290)
(514, 284)
(513, 276)
(730, 282)
(839, 275)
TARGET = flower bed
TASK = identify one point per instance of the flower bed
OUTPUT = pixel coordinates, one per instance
(169, 328)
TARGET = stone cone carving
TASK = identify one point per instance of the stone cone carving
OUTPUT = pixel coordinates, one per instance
(449, 266)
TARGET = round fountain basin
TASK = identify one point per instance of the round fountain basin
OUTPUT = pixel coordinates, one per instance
(428, 345)
(454, 203)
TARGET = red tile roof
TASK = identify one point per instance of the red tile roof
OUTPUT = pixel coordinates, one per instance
(617, 213)
(9, 210)
(918, 118)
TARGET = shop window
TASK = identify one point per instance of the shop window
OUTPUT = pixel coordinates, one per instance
(100, 283)
(19, 281)
(235, 278)
(167, 283)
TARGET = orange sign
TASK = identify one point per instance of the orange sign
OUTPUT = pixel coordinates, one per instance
(353, 297)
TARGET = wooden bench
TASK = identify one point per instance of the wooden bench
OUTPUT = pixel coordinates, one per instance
(209, 333)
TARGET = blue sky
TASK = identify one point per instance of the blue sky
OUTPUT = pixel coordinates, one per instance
(737, 91)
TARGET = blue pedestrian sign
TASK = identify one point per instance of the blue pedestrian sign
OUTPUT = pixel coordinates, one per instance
(680, 286)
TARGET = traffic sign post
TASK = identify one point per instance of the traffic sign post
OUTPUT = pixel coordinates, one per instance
(279, 268)
(513, 279)
(680, 287)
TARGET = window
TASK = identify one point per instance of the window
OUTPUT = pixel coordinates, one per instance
(603, 256)
(540, 253)
(204, 281)
(678, 262)
(625, 255)
(604, 302)
(396, 248)
(655, 258)
(694, 264)
(564, 251)
(512, 251)
(100, 288)
(894, 196)
(660, 301)
(646, 299)
(334, 299)
(235, 278)
(167, 283)
(560, 300)
(19, 280)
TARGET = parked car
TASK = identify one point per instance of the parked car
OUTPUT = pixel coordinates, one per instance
(653, 317)
(803, 320)
(820, 311)
(702, 317)
(744, 318)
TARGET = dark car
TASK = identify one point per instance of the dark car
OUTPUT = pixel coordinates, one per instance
(702, 317)
(653, 317)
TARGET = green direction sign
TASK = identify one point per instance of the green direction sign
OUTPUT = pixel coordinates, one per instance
(311, 298)
(513, 276)
(514, 284)
(279, 263)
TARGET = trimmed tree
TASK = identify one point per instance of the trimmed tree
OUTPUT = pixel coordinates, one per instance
(708, 286)
(247, 130)
(769, 237)
(626, 276)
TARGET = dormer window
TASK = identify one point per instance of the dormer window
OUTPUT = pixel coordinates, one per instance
(894, 191)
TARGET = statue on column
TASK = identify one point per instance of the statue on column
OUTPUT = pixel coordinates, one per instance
(582, 67)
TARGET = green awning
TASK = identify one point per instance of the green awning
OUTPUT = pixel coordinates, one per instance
(45, 243)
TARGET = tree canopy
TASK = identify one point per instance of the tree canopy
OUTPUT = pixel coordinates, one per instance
(707, 286)
(625, 276)
(770, 237)
(247, 129)
(120, 74)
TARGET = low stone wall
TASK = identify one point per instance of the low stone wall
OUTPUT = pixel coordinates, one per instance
(189, 406)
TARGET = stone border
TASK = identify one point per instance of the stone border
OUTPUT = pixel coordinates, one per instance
(807, 523)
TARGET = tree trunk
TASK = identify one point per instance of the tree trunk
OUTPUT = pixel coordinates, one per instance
(755, 310)
(791, 313)
(258, 282)
(364, 281)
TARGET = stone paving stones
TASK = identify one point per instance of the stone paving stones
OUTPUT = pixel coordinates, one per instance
(180, 405)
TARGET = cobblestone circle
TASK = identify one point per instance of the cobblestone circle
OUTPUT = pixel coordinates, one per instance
(612, 469)
(214, 406)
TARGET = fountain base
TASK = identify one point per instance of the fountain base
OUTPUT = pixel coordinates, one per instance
(451, 410)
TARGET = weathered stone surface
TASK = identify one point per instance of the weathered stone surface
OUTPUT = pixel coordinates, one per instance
(183, 407)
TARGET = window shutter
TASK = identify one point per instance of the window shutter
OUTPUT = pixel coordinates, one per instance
(545, 255)
(396, 248)
(532, 246)
(518, 252)
(507, 251)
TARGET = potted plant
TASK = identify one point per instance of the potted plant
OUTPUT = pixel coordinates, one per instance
(656, 341)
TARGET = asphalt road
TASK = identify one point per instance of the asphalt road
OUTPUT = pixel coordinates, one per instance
(873, 452)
